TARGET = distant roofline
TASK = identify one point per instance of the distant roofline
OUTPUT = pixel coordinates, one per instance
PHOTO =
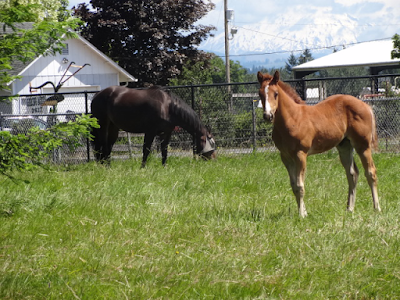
(369, 54)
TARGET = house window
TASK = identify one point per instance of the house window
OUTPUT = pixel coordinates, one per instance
(65, 50)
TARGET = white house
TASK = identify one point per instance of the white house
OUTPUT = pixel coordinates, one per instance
(99, 72)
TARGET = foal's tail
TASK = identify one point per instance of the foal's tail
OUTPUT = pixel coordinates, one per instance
(374, 135)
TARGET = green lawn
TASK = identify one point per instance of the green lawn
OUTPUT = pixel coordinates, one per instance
(224, 229)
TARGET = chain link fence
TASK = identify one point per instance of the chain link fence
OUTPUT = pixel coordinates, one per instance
(231, 112)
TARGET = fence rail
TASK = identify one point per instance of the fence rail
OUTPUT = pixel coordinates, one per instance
(230, 110)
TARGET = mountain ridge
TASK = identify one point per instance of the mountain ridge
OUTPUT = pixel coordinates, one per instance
(270, 45)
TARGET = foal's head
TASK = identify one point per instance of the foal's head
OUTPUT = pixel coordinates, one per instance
(270, 104)
(268, 94)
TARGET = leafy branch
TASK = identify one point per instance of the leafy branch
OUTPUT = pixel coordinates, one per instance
(16, 44)
(396, 46)
(26, 151)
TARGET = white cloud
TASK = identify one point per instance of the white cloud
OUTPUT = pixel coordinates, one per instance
(390, 3)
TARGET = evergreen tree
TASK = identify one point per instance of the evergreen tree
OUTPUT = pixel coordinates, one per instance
(290, 63)
(305, 57)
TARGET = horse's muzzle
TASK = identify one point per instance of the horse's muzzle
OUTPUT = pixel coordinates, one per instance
(268, 117)
(209, 155)
(208, 151)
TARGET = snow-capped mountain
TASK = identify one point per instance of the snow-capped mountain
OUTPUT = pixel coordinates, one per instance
(270, 45)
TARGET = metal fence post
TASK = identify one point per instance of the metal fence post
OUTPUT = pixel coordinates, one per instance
(193, 106)
(87, 140)
(304, 89)
(254, 105)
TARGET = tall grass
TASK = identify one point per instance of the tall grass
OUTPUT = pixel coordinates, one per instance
(224, 229)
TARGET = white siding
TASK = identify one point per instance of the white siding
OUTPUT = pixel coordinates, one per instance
(100, 72)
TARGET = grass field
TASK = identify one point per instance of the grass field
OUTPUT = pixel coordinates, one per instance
(224, 229)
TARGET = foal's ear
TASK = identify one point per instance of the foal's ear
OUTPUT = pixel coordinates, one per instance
(275, 80)
(260, 77)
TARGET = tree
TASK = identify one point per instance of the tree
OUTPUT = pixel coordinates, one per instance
(293, 61)
(396, 46)
(305, 57)
(23, 45)
(199, 72)
(24, 151)
(290, 63)
(55, 10)
(151, 39)
(210, 71)
(238, 73)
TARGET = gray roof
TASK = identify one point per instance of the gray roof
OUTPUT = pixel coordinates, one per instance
(17, 66)
(375, 54)
(8, 29)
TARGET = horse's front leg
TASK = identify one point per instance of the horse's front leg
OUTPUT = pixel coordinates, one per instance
(148, 141)
(111, 138)
(296, 167)
(165, 139)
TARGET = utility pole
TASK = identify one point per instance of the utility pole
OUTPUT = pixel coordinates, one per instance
(226, 22)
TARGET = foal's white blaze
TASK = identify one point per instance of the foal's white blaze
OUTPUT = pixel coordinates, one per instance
(267, 108)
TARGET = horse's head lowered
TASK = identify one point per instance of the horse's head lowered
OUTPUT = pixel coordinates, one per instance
(207, 146)
(268, 94)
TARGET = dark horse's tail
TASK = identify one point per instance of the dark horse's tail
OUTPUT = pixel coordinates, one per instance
(94, 131)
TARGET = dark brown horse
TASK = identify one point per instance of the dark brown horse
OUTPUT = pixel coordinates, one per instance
(153, 111)
(340, 121)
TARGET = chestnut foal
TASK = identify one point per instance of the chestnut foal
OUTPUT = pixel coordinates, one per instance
(340, 121)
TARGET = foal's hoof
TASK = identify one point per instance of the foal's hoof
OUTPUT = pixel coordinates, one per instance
(303, 214)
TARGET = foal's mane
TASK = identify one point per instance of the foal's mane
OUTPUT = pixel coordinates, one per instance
(291, 92)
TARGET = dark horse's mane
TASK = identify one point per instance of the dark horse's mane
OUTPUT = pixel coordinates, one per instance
(185, 116)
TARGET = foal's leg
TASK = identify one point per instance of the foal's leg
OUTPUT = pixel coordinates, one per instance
(370, 173)
(296, 167)
(165, 138)
(346, 158)
(148, 141)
